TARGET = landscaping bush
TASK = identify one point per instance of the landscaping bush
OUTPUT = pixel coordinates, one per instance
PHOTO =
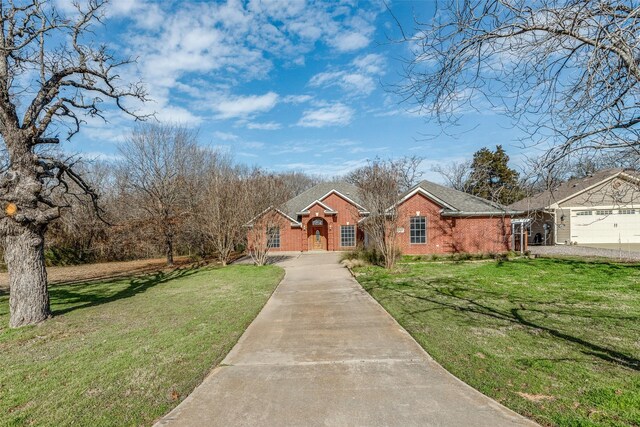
(350, 255)
(367, 255)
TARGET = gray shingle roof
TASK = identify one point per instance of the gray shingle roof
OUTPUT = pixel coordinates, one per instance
(460, 202)
(565, 190)
(304, 199)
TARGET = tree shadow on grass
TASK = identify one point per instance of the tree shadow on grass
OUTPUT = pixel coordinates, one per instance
(447, 295)
(94, 293)
(581, 262)
(272, 259)
(276, 259)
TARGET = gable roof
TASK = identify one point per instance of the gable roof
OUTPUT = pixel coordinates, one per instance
(252, 220)
(453, 202)
(569, 189)
(457, 203)
(318, 192)
(326, 207)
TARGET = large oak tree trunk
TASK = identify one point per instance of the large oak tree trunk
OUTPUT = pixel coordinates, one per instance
(169, 249)
(22, 228)
(29, 298)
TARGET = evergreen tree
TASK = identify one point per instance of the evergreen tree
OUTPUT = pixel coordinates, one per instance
(492, 178)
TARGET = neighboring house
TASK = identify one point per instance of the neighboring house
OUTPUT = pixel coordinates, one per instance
(601, 208)
(432, 219)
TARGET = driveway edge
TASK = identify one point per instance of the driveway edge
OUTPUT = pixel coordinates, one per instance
(492, 401)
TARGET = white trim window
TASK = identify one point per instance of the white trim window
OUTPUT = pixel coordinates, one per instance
(584, 213)
(627, 211)
(273, 237)
(418, 230)
(605, 212)
(347, 236)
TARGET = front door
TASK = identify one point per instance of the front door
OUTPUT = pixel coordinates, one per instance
(317, 235)
(317, 239)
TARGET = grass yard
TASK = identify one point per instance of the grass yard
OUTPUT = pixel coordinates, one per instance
(555, 340)
(126, 351)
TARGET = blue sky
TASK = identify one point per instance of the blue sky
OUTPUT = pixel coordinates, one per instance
(283, 84)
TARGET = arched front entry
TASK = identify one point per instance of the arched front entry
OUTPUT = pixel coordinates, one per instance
(317, 232)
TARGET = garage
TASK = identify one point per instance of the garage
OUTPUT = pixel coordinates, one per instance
(605, 225)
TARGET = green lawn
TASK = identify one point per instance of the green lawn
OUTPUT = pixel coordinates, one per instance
(556, 340)
(126, 351)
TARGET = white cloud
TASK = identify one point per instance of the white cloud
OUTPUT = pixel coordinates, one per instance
(264, 126)
(351, 41)
(370, 64)
(359, 78)
(99, 155)
(225, 136)
(179, 45)
(337, 167)
(320, 146)
(243, 106)
(175, 114)
(297, 99)
(247, 154)
(336, 114)
(356, 34)
(143, 13)
(233, 40)
(254, 145)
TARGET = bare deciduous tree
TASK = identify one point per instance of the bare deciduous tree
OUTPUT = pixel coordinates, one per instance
(222, 212)
(157, 167)
(269, 192)
(51, 74)
(408, 170)
(297, 182)
(380, 183)
(80, 230)
(455, 174)
(566, 70)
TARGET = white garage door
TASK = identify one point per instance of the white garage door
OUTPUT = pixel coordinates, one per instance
(605, 226)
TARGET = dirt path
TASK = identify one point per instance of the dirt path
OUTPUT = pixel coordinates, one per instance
(81, 273)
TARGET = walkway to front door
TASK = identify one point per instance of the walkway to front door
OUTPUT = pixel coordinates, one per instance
(323, 353)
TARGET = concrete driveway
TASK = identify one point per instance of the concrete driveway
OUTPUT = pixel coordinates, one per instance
(323, 353)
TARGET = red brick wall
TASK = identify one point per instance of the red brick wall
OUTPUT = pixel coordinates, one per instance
(347, 215)
(451, 235)
(289, 236)
(444, 234)
(296, 238)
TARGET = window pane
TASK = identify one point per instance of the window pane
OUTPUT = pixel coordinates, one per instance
(347, 235)
(418, 229)
(273, 237)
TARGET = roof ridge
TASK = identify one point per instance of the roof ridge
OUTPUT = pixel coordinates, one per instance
(478, 198)
(319, 191)
(572, 187)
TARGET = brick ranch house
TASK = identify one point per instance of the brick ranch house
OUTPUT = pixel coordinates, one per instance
(433, 219)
